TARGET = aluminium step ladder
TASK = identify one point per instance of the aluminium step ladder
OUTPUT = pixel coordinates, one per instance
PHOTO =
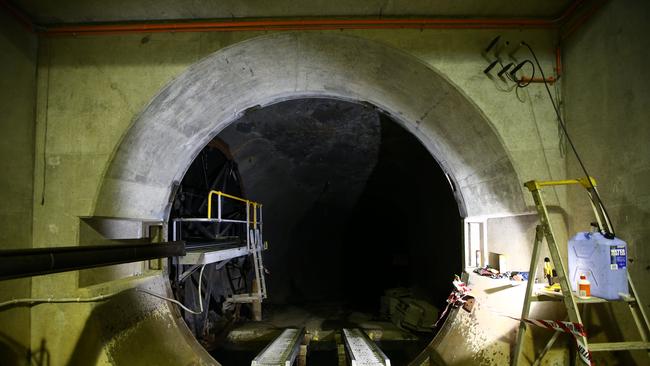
(361, 350)
(545, 231)
(283, 351)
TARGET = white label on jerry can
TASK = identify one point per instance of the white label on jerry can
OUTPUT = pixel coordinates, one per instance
(618, 257)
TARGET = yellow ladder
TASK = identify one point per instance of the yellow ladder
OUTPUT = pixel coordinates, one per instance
(545, 231)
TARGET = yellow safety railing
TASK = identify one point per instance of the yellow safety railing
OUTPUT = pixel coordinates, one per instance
(253, 234)
(537, 184)
(589, 183)
(222, 194)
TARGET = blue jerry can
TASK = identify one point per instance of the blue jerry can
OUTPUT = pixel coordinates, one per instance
(602, 260)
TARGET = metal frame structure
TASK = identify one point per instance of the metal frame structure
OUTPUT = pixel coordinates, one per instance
(545, 231)
(254, 244)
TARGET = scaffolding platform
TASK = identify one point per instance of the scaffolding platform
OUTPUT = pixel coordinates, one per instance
(214, 251)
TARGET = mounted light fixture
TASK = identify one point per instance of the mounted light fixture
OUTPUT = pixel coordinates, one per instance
(505, 68)
(491, 45)
(491, 66)
(516, 68)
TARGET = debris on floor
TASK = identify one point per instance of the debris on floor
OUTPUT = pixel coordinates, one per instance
(494, 273)
(408, 312)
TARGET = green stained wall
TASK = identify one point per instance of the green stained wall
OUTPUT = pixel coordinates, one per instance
(91, 89)
(17, 101)
(607, 95)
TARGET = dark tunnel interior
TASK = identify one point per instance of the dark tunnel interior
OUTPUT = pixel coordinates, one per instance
(354, 205)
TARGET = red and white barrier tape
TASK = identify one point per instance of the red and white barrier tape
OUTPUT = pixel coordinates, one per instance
(462, 293)
(577, 330)
(461, 286)
(456, 299)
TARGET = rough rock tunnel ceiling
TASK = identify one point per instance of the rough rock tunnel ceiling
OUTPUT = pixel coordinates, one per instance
(308, 161)
(350, 199)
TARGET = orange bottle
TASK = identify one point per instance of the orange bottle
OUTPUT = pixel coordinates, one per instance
(584, 286)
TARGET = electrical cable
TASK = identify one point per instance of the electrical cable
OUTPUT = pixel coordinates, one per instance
(507, 89)
(530, 80)
(50, 300)
(560, 134)
(570, 141)
(204, 165)
(47, 49)
(510, 76)
(178, 302)
(98, 298)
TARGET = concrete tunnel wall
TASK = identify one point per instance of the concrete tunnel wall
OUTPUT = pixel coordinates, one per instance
(18, 54)
(608, 117)
(199, 103)
(90, 89)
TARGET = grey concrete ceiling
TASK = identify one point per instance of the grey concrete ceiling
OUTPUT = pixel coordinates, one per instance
(84, 11)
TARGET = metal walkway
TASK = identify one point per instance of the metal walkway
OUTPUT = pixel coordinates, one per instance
(282, 351)
(362, 351)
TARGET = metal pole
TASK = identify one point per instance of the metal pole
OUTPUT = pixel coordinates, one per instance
(219, 208)
(248, 236)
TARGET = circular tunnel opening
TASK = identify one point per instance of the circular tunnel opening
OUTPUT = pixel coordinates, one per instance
(362, 226)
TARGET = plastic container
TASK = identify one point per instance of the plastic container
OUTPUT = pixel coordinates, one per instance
(602, 260)
(584, 286)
